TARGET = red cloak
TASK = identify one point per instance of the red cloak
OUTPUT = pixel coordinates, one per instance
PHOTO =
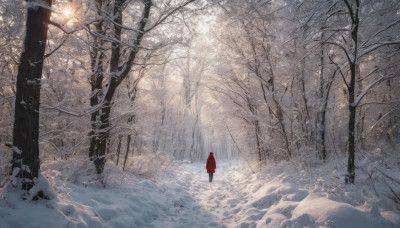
(211, 164)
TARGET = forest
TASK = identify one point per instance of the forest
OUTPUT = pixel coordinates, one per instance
(297, 99)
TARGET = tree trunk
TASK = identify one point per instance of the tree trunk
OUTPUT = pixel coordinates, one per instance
(361, 117)
(96, 82)
(351, 146)
(193, 148)
(321, 126)
(260, 151)
(26, 118)
(279, 110)
(127, 151)
(102, 133)
(323, 119)
(351, 87)
(101, 123)
(351, 126)
(119, 147)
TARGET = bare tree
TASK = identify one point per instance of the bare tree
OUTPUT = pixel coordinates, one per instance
(355, 43)
(119, 68)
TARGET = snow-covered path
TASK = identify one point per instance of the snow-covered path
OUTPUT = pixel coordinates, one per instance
(208, 204)
(286, 197)
(281, 196)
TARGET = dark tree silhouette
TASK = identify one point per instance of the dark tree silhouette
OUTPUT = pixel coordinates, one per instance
(25, 161)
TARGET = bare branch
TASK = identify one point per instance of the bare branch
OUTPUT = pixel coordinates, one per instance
(350, 9)
(84, 113)
(355, 103)
(123, 26)
(62, 28)
(395, 109)
(162, 19)
(55, 49)
(341, 47)
(384, 29)
(340, 71)
(378, 45)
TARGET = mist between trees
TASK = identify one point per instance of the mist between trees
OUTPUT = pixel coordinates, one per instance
(263, 80)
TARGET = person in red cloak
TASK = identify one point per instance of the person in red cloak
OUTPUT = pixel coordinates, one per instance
(211, 166)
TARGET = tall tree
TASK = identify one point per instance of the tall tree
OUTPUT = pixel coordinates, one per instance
(353, 44)
(119, 68)
(25, 161)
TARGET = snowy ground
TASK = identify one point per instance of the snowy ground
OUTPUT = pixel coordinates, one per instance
(279, 196)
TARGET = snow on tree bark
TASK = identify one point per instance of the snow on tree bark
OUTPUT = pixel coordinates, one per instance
(26, 117)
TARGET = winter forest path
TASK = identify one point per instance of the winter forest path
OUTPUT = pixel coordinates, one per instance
(182, 197)
(282, 197)
(216, 204)
(213, 204)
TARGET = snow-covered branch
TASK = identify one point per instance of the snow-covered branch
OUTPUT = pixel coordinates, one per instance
(123, 26)
(383, 116)
(357, 101)
(167, 15)
(376, 46)
(379, 103)
(57, 25)
(84, 113)
(382, 30)
(112, 39)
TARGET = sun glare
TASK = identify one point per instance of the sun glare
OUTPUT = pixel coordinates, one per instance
(67, 12)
